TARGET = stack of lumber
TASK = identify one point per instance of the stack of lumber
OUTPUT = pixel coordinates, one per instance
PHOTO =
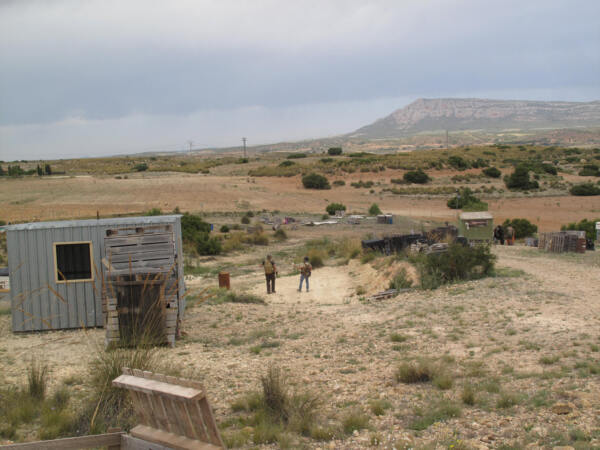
(561, 241)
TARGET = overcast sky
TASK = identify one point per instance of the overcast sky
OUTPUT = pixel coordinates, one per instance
(87, 78)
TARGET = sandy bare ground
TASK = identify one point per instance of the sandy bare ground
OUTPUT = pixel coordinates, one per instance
(53, 199)
(492, 334)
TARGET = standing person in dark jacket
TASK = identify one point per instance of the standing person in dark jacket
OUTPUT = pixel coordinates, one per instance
(270, 273)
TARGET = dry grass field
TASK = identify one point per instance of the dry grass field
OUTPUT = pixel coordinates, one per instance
(508, 361)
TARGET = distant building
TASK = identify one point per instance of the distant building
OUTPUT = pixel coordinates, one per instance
(476, 226)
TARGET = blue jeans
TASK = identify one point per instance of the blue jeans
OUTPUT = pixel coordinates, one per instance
(302, 278)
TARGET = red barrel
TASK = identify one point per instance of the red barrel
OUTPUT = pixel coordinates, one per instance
(581, 245)
(224, 280)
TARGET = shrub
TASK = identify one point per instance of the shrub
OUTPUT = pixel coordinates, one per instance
(458, 163)
(457, 263)
(590, 170)
(280, 234)
(315, 181)
(153, 212)
(442, 411)
(419, 372)
(374, 210)
(401, 280)
(468, 395)
(224, 229)
(339, 183)
(520, 180)
(333, 207)
(316, 257)
(296, 155)
(355, 420)
(37, 380)
(416, 176)
(589, 226)
(108, 364)
(465, 200)
(334, 151)
(141, 167)
(492, 172)
(245, 220)
(523, 227)
(585, 189)
(286, 163)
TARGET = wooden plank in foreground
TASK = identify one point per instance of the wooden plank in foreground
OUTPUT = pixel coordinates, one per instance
(93, 441)
(169, 439)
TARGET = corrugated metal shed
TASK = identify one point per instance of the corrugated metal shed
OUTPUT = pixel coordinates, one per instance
(41, 302)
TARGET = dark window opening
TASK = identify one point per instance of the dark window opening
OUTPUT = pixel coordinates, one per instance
(73, 261)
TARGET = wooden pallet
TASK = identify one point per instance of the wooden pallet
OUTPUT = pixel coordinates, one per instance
(173, 412)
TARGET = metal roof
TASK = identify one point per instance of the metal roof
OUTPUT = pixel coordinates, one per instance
(475, 215)
(139, 220)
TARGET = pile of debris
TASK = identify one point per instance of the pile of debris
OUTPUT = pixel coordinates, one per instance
(435, 240)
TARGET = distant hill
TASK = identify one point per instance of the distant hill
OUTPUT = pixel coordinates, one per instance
(461, 114)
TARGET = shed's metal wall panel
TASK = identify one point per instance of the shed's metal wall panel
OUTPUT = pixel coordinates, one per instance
(37, 301)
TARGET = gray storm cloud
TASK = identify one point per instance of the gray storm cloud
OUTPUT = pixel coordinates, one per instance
(157, 72)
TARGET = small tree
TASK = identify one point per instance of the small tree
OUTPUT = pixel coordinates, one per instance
(465, 199)
(523, 227)
(141, 167)
(39, 171)
(333, 207)
(492, 172)
(47, 169)
(585, 189)
(458, 163)
(334, 151)
(374, 210)
(416, 176)
(315, 181)
(589, 226)
(2, 172)
(519, 180)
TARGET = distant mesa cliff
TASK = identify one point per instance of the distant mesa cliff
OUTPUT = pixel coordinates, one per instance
(456, 114)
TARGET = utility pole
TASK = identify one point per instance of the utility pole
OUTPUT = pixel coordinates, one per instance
(446, 139)
(190, 143)
(244, 141)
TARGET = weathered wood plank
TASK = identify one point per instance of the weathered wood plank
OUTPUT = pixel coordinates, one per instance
(96, 440)
(156, 387)
(170, 440)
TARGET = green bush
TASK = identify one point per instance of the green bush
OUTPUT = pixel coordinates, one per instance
(334, 151)
(519, 180)
(492, 172)
(286, 163)
(589, 226)
(374, 210)
(467, 201)
(458, 163)
(416, 176)
(339, 183)
(590, 170)
(195, 234)
(333, 207)
(315, 181)
(245, 220)
(280, 234)
(141, 167)
(523, 227)
(401, 280)
(296, 155)
(224, 229)
(585, 189)
(457, 263)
